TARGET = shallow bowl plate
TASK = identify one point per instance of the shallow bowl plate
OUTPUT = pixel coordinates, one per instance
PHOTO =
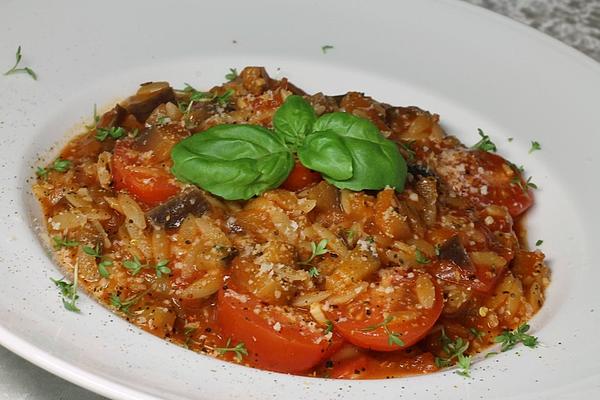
(474, 68)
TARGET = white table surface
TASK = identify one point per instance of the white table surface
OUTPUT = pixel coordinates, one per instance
(575, 22)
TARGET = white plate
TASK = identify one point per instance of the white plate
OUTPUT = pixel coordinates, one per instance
(474, 68)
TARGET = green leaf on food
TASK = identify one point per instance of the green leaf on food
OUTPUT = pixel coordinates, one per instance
(235, 162)
(485, 144)
(61, 165)
(350, 153)
(294, 120)
(509, 339)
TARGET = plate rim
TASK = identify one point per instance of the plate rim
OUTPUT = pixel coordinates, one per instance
(106, 387)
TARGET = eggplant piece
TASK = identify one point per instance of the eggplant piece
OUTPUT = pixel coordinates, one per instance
(295, 89)
(255, 80)
(112, 118)
(453, 250)
(419, 170)
(172, 213)
(426, 188)
(149, 96)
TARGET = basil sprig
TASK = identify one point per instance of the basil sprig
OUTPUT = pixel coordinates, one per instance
(241, 161)
(294, 120)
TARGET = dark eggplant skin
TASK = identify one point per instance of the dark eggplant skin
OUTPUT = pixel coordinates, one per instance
(143, 103)
(453, 250)
(171, 214)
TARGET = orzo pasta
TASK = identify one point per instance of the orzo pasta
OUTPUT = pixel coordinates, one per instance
(330, 236)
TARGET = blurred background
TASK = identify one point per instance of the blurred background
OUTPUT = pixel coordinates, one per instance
(575, 22)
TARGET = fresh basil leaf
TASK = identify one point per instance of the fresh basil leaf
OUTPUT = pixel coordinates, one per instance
(376, 161)
(346, 124)
(235, 162)
(327, 153)
(294, 120)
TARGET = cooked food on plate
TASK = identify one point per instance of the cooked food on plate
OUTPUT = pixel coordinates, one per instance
(328, 236)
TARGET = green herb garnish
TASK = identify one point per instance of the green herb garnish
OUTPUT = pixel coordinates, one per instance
(464, 364)
(539, 242)
(326, 48)
(421, 258)
(454, 351)
(115, 133)
(92, 251)
(41, 172)
(102, 268)
(61, 165)
(329, 328)
(134, 266)
(350, 233)
(317, 249)
(510, 338)
(535, 146)
(161, 268)
(123, 305)
(232, 75)
(225, 97)
(15, 70)
(516, 180)
(485, 144)
(69, 290)
(60, 242)
(313, 272)
(477, 334)
(188, 331)
(393, 337)
(103, 264)
(163, 120)
(239, 350)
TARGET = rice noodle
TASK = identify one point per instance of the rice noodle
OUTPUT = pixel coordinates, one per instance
(65, 221)
(138, 239)
(103, 170)
(98, 226)
(317, 313)
(347, 294)
(205, 286)
(132, 210)
(307, 299)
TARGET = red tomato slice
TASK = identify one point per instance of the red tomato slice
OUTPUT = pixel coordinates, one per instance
(149, 184)
(300, 178)
(485, 178)
(278, 338)
(483, 279)
(393, 316)
(383, 366)
(505, 187)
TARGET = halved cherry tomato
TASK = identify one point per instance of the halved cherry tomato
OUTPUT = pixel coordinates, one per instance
(505, 185)
(300, 178)
(381, 366)
(391, 315)
(482, 279)
(149, 184)
(278, 338)
(485, 178)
